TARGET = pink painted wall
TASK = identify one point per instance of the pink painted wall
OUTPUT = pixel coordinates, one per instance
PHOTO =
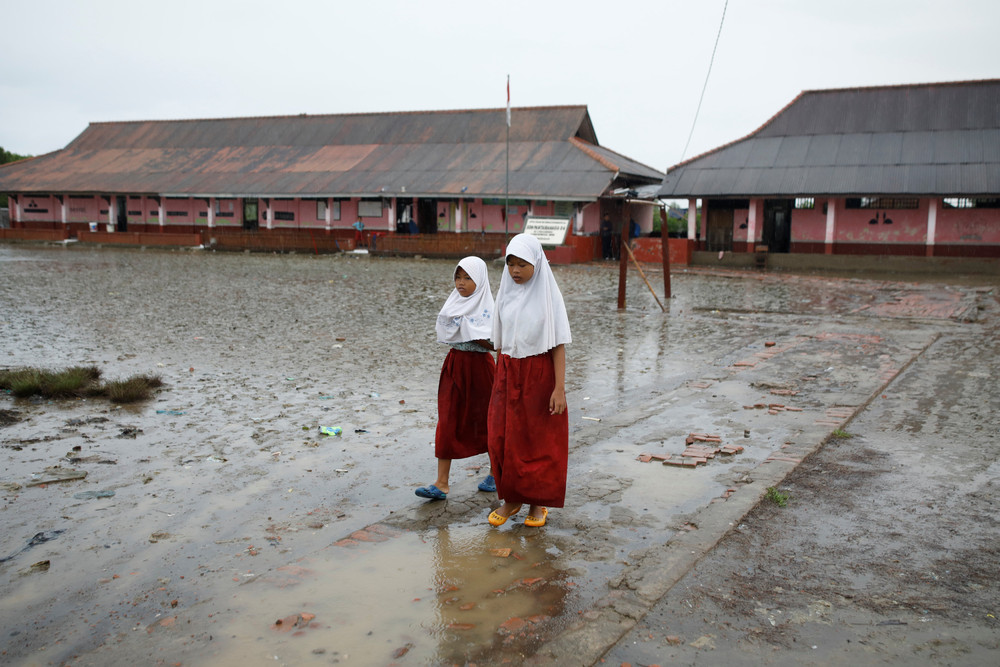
(83, 209)
(809, 224)
(967, 226)
(543, 208)
(35, 209)
(592, 218)
(908, 225)
(230, 213)
(741, 216)
(348, 214)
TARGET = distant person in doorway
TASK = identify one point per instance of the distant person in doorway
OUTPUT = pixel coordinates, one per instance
(607, 236)
(465, 323)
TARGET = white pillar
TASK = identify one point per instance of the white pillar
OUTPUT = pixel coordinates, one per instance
(392, 215)
(458, 216)
(831, 225)
(268, 219)
(578, 220)
(931, 225)
(17, 209)
(752, 225)
(112, 202)
(161, 213)
(63, 205)
(211, 212)
(329, 214)
(692, 218)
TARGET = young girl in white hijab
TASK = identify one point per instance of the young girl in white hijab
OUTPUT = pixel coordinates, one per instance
(528, 423)
(466, 324)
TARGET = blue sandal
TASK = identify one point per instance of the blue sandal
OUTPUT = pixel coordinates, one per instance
(431, 492)
(489, 484)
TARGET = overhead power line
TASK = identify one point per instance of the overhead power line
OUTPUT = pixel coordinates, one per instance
(704, 87)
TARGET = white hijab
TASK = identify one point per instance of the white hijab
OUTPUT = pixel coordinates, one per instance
(468, 318)
(531, 318)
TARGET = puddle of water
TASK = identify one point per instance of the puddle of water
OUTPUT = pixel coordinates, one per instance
(459, 594)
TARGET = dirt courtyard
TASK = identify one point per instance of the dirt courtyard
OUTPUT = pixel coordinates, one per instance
(217, 524)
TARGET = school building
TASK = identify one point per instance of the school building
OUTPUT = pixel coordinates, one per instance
(907, 171)
(436, 183)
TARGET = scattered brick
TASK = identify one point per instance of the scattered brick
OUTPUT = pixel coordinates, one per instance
(645, 458)
(513, 625)
(769, 343)
(784, 458)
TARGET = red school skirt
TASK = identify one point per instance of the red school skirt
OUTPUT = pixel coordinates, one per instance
(463, 403)
(529, 448)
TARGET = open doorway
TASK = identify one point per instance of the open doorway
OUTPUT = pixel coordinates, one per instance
(719, 230)
(777, 232)
(121, 214)
(251, 218)
(427, 216)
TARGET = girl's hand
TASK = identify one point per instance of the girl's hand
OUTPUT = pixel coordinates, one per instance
(557, 402)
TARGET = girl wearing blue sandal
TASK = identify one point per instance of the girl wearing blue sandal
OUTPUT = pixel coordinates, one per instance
(466, 324)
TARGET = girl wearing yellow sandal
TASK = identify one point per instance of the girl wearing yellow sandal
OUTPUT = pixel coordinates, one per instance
(528, 425)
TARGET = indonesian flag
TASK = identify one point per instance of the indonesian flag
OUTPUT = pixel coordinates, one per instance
(508, 100)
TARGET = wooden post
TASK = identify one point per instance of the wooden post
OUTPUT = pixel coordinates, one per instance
(622, 267)
(665, 243)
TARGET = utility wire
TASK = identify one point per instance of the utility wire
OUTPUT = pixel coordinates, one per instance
(704, 87)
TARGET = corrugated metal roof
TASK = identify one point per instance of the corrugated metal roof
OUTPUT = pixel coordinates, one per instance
(553, 154)
(927, 139)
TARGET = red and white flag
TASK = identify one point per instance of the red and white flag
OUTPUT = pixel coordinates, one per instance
(508, 100)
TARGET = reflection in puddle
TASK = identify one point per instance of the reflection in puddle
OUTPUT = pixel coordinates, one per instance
(445, 595)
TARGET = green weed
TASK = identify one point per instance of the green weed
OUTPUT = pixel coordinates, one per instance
(777, 497)
(841, 433)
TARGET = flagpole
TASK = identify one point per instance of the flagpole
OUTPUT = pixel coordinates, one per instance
(506, 196)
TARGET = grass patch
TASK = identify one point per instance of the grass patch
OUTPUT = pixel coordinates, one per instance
(777, 497)
(841, 433)
(133, 389)
(77, 382)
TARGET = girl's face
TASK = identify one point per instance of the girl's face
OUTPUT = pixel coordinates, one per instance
(520, 270)
(464, 284)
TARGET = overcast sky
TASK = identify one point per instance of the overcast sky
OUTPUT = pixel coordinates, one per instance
(639, 65)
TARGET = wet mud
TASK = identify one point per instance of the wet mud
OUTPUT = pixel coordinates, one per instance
(217, 523)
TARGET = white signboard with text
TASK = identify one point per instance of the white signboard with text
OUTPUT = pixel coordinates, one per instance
(548, 231)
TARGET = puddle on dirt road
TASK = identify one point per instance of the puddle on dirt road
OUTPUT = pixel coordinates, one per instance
(459, 594)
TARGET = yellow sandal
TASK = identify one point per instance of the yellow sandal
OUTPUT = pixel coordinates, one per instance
(499, 519)
(536, 522)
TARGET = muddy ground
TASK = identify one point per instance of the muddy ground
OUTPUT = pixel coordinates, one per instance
(217, 524)
(888, 550)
